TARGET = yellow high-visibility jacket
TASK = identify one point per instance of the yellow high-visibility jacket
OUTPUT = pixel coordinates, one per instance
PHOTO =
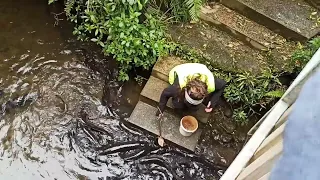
(189, 71)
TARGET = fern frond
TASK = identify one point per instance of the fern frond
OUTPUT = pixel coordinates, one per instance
(275, 94)
(69, 6)
(194, 7)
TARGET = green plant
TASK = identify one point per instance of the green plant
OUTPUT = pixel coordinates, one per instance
(139, 79)
(304, 53)
(181, 10)
(132, 31)
(51, 1)
(124, 30)
(194, 7)
(135, 44)
(240, 116)
(275, 94)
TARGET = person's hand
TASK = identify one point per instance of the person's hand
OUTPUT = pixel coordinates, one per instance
(208, 108)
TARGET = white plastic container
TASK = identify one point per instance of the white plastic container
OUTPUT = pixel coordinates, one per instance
(188, 125)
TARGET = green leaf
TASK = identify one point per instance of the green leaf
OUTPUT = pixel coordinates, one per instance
(131, 2)
(51, 1)
(93, 18)
(139, 5)
(137, 14)
(275, 94)
(194, 7)
(101, 44)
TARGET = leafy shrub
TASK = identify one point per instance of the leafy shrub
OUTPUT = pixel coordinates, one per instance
(128, 30)
(179, 10)
(304, 53)
(240, 116)
(122, 28)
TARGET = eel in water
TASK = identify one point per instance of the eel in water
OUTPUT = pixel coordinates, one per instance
(20, 101)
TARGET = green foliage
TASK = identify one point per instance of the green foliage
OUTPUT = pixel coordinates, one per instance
(194, 8)
(253, 91)
(240, 116)
(304, 53)
(275, 94)
(123, 29)
(51, 1)
(132, 31)
(181, 10)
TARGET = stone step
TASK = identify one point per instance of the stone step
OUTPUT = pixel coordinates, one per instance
(164, 65)
(224, 51)
(286, 17)
(144, 116)
(241, 27)
(152, 91)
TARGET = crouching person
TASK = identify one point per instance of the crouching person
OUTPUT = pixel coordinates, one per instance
(190, 85)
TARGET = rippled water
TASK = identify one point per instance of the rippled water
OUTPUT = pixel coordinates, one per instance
(53, 122)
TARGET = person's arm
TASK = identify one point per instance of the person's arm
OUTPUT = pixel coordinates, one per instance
(219, 88)
(165, 95)
(168, 92)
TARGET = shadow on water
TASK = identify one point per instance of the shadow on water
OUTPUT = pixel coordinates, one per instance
(63, 112)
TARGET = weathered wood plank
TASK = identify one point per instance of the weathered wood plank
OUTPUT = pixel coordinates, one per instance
(269, 142)
(263, 164)
(265, 177)
(284, 117)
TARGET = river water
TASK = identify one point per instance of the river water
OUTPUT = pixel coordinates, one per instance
(53, 123)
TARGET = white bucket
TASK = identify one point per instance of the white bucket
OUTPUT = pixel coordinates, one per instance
(188, 125)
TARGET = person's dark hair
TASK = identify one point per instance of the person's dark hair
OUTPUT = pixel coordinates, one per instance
(197, 88)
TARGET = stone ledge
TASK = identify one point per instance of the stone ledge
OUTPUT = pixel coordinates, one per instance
(241, 27)
(287, 17)
(144, 116)
(222, 50)
(163, 66)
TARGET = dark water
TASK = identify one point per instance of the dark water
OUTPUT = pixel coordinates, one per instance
(55, 125)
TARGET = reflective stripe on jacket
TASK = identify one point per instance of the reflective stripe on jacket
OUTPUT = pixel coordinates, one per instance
(189, 71)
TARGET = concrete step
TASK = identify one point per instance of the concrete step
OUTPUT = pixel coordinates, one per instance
(286, 17)
(223, 50)
(241, 27)
(164, 65)
(144, 116)
(152, 91)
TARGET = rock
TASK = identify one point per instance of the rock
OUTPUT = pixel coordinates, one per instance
(226, 138)
(229, 126)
